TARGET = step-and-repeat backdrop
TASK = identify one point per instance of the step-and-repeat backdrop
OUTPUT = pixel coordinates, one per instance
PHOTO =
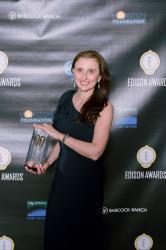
(38, 41)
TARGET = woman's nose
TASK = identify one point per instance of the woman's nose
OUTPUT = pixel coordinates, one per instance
(84, 75)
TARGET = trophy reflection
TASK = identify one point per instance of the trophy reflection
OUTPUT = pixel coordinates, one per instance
(38, 148)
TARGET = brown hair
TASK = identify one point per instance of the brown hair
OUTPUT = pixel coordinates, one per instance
(98, 100)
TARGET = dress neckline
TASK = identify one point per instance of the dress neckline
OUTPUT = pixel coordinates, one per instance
(73, 103)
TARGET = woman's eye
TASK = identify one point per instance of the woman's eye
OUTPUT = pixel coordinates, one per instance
(91, 71)
(79, 70)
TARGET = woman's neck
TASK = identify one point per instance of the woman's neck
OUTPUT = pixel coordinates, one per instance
(83, 96)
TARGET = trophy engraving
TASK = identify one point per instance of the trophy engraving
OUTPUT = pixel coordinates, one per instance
(38, 148)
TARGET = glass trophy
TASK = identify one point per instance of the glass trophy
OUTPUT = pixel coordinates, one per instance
(38, 148)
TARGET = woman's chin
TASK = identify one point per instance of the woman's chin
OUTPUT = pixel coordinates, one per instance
(85, 88)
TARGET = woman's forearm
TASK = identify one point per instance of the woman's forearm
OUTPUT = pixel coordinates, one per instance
(53, 156)
(87, 149)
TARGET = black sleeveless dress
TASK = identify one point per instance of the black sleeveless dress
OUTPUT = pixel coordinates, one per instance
(73, 218)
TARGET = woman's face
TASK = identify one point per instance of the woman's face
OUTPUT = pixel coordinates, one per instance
(86, 73)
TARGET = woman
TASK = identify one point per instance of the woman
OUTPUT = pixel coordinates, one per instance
(81, 126)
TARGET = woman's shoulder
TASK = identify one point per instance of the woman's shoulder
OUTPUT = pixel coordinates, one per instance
(108, 108)
(106, 116)
(108, 111)
(66, 95)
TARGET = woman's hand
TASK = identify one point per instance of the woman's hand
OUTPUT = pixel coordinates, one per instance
(36, 169)
(50, 130)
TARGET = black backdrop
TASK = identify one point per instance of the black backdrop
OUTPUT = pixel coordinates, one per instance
(38, 40)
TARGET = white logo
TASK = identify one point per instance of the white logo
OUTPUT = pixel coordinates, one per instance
(5, 158)
(3, 61)
(12, 15)
(143, 242)
(149, 62)
(105, 210)
(6, 243)
(146, 156)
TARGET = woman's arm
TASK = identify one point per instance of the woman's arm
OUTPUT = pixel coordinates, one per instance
(94, 149)
(53, 156)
